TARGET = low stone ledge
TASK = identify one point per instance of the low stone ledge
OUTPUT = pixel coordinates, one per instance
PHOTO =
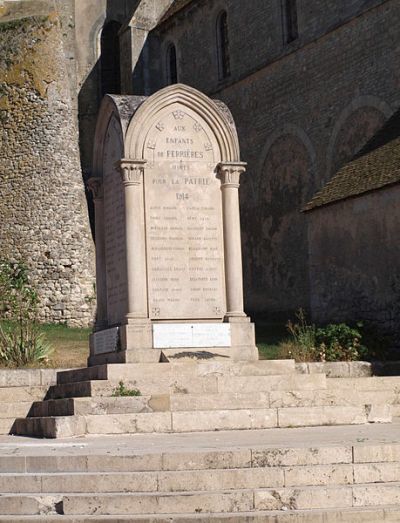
(28, 377)
(337, 369)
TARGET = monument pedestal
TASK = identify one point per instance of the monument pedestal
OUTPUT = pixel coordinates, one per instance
(143, 341)
(166, 185)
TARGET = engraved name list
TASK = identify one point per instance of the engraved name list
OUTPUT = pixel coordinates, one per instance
(183, 220)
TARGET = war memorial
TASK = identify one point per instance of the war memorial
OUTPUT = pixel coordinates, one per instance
(210, 432)
(221, 161)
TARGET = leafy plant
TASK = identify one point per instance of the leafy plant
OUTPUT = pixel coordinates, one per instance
(334, 342)
(121, 390)
(21, 341)
(339, 342)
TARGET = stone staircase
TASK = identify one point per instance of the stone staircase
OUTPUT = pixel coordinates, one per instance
(205, 396)
(19, 389)
(235, 476)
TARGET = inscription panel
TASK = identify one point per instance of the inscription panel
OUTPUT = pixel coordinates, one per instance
(105, 341)
(183, 219)
(174, 335)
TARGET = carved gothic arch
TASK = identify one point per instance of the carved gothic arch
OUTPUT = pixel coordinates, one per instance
(213, 113)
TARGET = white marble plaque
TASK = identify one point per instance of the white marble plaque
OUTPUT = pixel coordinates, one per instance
(183, 219)
(106, 341)
(172, 335)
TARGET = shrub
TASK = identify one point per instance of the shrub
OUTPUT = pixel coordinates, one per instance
(21, 341)
(334, 342)
(340, 342)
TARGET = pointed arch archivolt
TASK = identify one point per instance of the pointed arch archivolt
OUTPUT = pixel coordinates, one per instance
(195, 102)
(108, 113)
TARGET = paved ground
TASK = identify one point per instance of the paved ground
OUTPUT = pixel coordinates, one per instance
(147, 443)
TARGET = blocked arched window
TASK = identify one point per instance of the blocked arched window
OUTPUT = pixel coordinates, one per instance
(224, 69)
(172, 66)
(110, 59)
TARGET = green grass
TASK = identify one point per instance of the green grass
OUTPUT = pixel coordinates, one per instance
(268, 338)
(71, 346)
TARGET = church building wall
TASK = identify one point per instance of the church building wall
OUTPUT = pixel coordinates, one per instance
(302, 108)
(355, 261)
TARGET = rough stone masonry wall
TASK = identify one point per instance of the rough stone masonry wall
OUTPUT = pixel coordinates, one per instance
(355, 261)
(43, 212)
(302, 110)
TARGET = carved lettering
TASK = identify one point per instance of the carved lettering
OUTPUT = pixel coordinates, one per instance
(182, 195)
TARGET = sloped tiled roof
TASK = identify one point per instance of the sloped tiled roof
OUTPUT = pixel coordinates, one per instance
(376, 165)
(174, 8)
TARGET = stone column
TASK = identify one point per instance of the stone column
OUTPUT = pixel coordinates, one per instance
(95, 186)
(132, 172)
(229, 174)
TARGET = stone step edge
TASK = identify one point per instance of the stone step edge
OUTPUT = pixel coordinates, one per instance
(65, 501)
(73, 426)
(114, 382)
(250, 464)
(247, 457)
(239, 396)
(366, 406)
(102, 369)
(170, 476)
(274, 516)
(388, 484)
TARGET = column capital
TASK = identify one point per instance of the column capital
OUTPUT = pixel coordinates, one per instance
(131, 171)
(95, 186)
(229, 173)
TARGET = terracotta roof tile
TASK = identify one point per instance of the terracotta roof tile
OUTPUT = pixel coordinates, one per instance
(376, 165)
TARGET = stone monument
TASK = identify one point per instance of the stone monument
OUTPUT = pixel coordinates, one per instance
(167, 228)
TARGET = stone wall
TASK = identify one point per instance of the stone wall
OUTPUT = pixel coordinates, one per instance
(43, 212)
(355, 260)
(302, 110)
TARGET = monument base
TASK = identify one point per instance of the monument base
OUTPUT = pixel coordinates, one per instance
(144, 341)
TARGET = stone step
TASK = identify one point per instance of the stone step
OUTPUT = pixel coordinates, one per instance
(344, 474)
(198, 402)
(239, 500)
(24, 393)
(354, 515)
(366, 384)
(271, 383)
(50, 427)
(177, 384)
(15, 409)
(114, 459)
(27, 377)
(199, 421)
(6, 424)
(27, 505)
(232, 458)
(279, 399)
(337, 369)
(200, 479)
(134, 371)
(160, 481)
(101, 405)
